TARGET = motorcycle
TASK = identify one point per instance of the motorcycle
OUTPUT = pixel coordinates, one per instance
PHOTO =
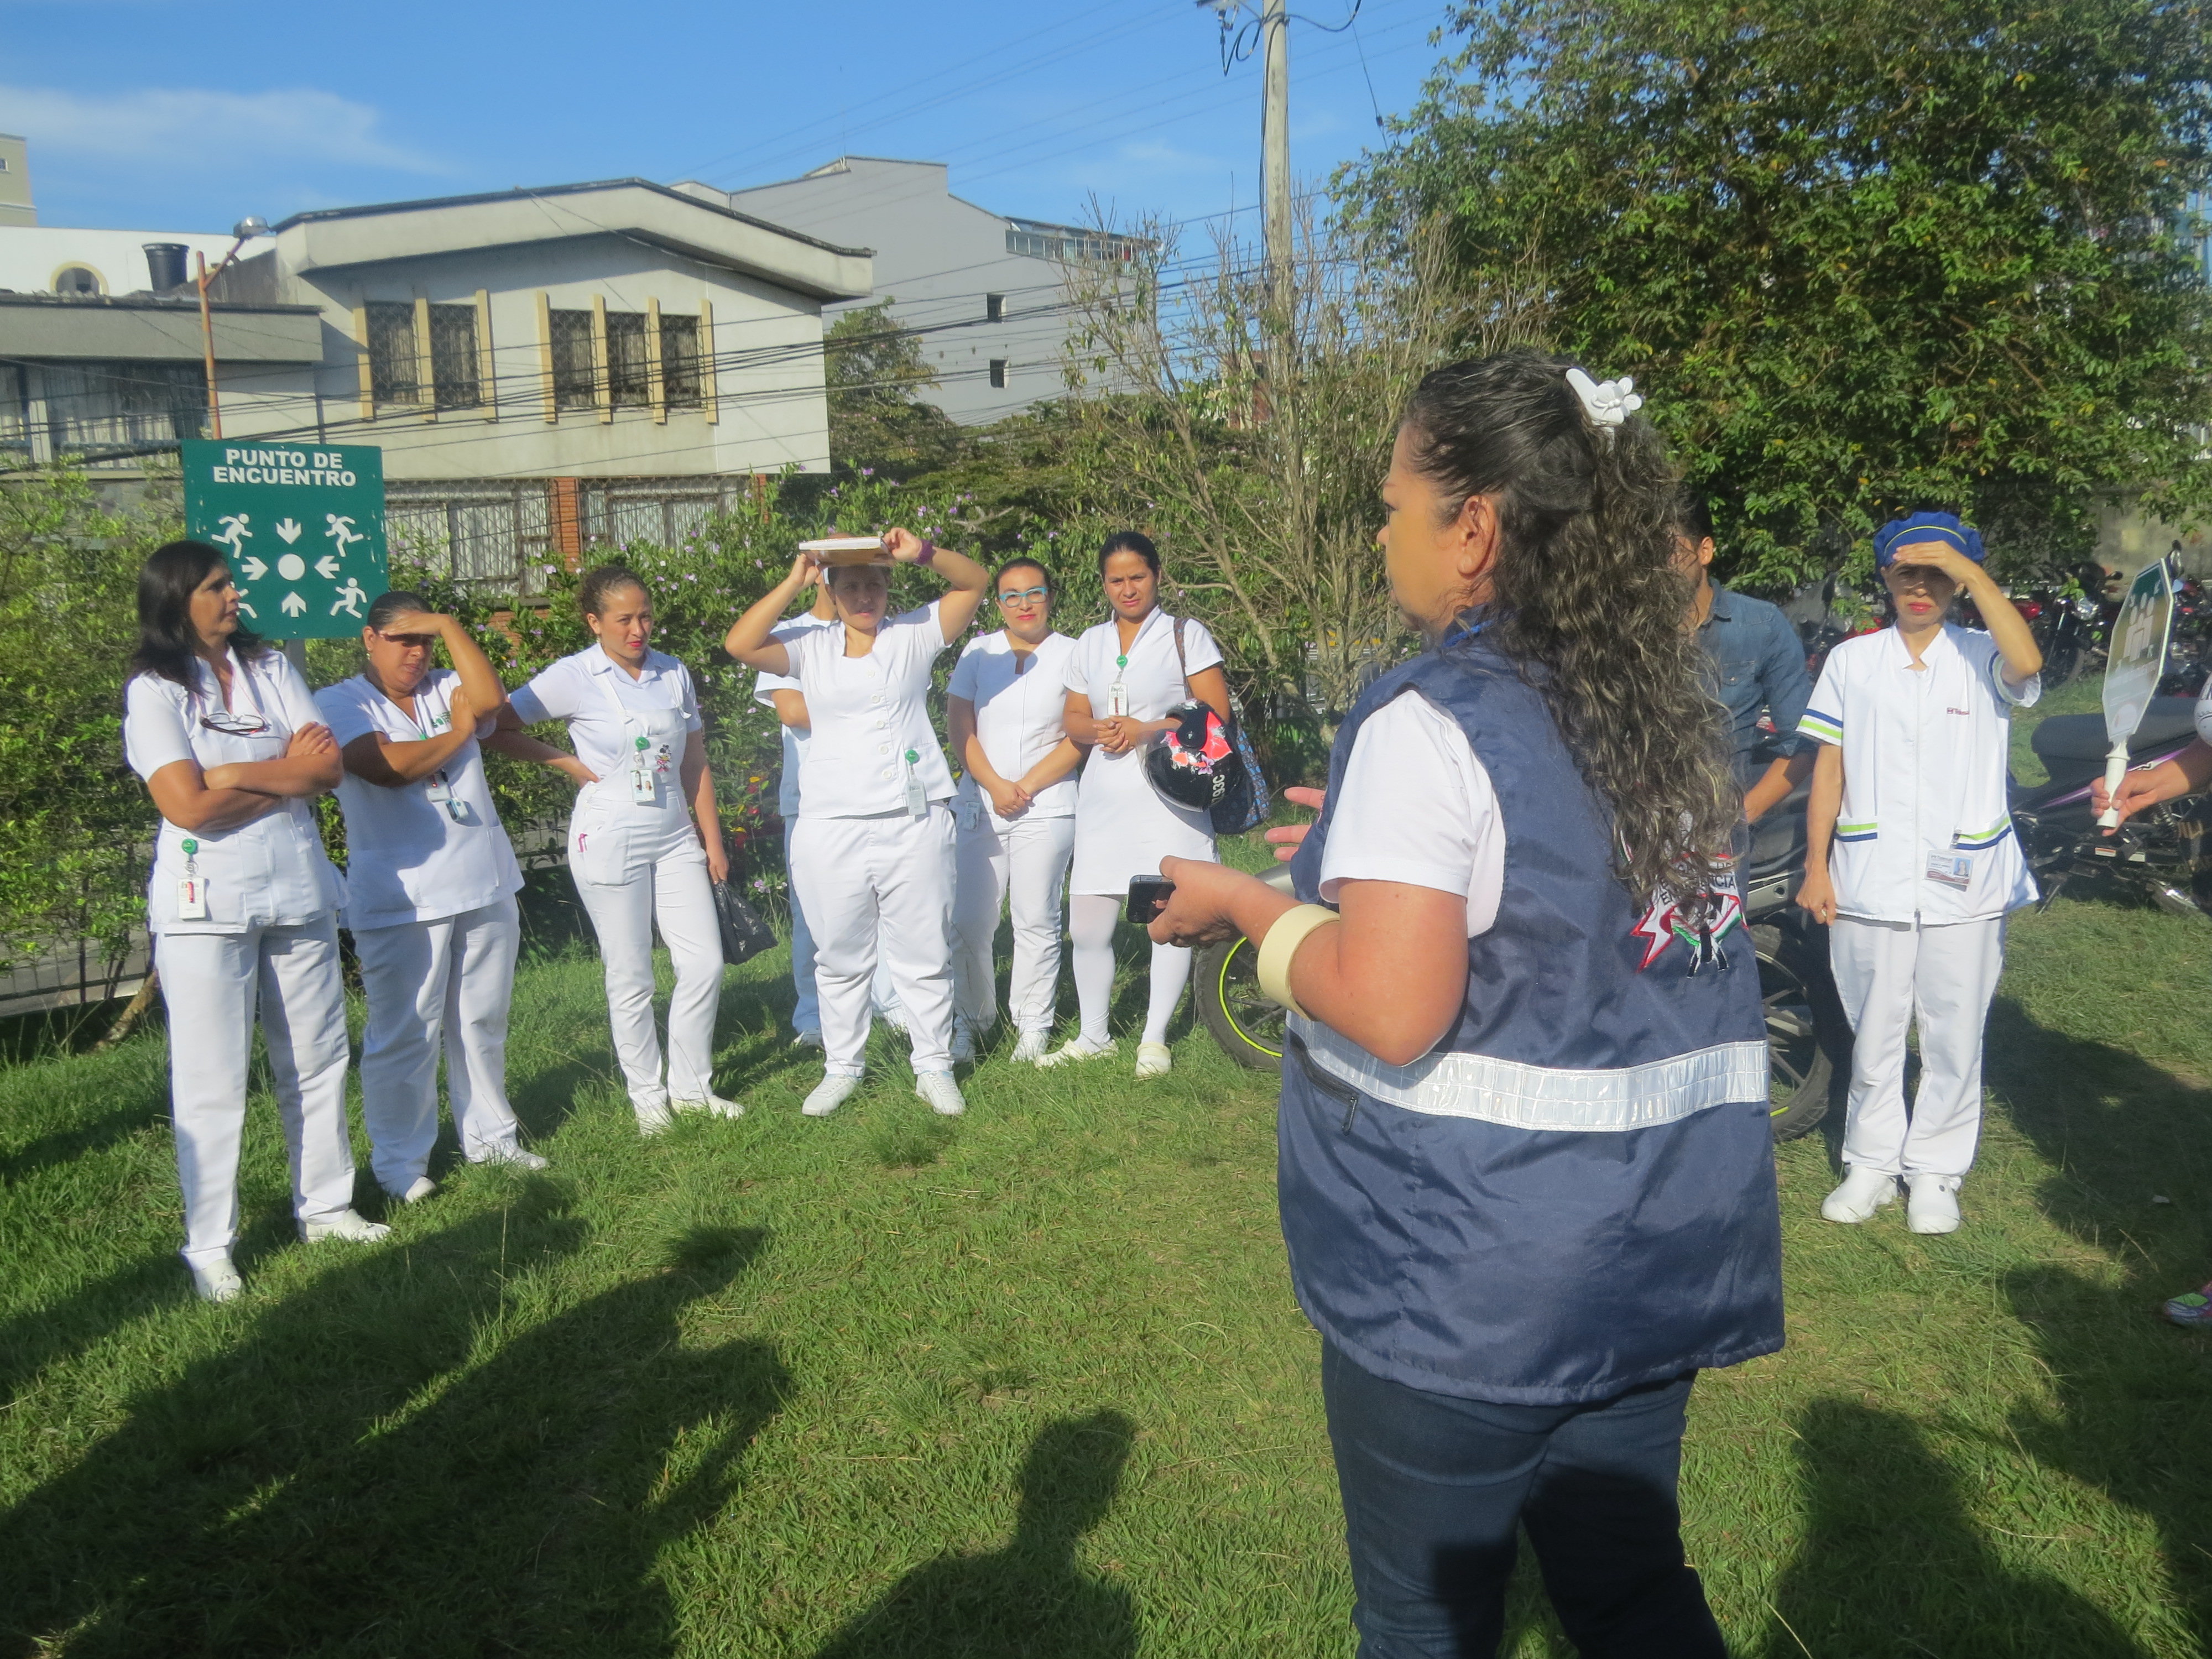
(2159, 853)
(1807, 1031)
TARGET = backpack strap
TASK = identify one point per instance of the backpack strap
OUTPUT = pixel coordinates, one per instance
(1181, 661)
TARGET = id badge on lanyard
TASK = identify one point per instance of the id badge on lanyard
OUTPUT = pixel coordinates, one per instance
(643, 790)
(917, 803)
(1117, 695)
(191, 887)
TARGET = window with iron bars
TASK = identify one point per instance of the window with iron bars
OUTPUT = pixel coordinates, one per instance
(680, 369)
(454, 360)
(575, 382)
(629, 374)
(395, 366)
(395, 362)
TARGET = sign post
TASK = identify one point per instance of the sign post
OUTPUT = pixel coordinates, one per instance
(303, 528)
(2132, 666)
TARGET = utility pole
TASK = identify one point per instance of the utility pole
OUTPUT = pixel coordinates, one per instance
(244, 230)
(1275, 146)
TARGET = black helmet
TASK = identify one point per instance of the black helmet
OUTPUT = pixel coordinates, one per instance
(1192, 764)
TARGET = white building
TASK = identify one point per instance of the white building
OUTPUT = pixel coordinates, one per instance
(983, 292)
(541, 368)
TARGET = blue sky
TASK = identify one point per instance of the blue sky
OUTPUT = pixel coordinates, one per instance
(148, 114)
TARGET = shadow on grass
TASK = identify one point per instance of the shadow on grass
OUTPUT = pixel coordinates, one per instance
(1892, 1566)
(83, 1139)
(2131, 1390)
(374, 1466)
(1031, 1598)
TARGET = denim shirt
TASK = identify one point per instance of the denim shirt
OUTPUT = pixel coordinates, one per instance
(1759, 664)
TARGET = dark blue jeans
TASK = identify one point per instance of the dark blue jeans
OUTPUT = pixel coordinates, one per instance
(1436, 1488)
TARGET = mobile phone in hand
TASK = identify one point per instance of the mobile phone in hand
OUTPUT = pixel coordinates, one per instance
(1148, 897)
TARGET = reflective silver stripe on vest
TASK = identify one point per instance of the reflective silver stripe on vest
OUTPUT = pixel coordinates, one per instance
(1524, 1096)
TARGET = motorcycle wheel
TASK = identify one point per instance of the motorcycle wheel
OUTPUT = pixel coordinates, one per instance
(2063, 664)
(1247, 1024)
(1798, 1069)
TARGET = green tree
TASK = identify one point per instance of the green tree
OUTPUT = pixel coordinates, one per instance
(1862, 256)
(874, 372)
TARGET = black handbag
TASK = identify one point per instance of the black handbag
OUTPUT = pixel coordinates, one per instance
(1242, 801)
(744, 935)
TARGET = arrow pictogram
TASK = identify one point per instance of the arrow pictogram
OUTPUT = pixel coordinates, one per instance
(292, 604)
(289, 529)
(329, 568)
(254, 570)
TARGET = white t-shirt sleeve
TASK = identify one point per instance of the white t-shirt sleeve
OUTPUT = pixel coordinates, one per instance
(923, 637)
(1075, 676)
(155, 730)
(765, 684)
(551, 695)
(965, 670)
(2009, 697)
(343, 709)
(295, 704)
(687, 704)
(1416, 806)
(1199, 650)
(1823, 718)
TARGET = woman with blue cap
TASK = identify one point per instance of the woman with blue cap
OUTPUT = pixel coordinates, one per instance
(1911, 860)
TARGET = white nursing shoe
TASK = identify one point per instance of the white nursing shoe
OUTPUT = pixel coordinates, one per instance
(833, 1091)
(350, 1225)
(652, 1119)
(1076, 1047)
(1154, 1059)
(1031, 1047)
(1862, 1193)
(807, 1039)
(216, 1280)
(713, 1103)
(417, 1189)
(941, 1092)
(1931, 1203)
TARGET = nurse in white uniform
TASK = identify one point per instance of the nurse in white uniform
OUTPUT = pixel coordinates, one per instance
(243, 906)
(430, 886)
(1123, 678)
(781, 693)
(1911, 859)
(873, 844)
(644, 840)
(1016, 809)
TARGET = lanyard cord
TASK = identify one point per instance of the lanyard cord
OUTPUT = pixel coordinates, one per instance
(1466, 630)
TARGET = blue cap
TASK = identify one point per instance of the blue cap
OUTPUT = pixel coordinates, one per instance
(1926, 527)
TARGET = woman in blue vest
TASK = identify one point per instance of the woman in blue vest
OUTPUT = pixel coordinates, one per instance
(1526, 1175)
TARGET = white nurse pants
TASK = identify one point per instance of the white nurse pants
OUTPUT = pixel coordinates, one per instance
(446, 984)
(669, 886)
(807, 1011)
(1027, 862)
(214, 986)
(879, 885)
(1890, 976)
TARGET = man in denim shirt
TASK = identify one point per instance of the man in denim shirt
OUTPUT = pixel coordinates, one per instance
(1759, 666)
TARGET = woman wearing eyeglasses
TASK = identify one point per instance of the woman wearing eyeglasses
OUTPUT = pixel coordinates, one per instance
(243, 905)
(1016, 811)
(430, 886)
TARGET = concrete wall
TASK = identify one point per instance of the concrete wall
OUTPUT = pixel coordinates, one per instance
(937, 257)
(16, 208)
(31, 255)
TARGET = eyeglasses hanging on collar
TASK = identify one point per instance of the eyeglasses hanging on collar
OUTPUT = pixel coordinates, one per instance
(234, 725)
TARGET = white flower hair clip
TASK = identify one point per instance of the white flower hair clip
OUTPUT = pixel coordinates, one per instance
(1608, 402)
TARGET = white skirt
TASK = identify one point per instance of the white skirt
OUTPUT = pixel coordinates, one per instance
(1123, 829)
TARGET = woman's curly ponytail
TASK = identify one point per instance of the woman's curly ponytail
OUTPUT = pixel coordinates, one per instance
(1586, 595)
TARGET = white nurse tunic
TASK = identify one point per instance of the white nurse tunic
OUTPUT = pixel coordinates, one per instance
(1122, 826)
(430, 887)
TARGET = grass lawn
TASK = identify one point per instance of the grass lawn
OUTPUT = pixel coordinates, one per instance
(1033, 1382)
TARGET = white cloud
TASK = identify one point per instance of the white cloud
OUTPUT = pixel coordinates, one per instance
(173, 129)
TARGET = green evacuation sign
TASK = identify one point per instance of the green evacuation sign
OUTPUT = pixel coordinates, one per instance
(303, 528)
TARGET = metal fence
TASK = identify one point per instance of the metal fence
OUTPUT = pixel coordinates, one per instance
(499, 533)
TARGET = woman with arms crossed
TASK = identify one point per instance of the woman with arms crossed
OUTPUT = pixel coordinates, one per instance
(1526, 1175)
(1911, 859)
(1017, 810)
(1123, 678)
(644, 842)
(430, 886)
(873, 843)
(242, 905)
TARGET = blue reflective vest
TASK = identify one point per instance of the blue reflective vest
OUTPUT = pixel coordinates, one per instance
(1573, 1193)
